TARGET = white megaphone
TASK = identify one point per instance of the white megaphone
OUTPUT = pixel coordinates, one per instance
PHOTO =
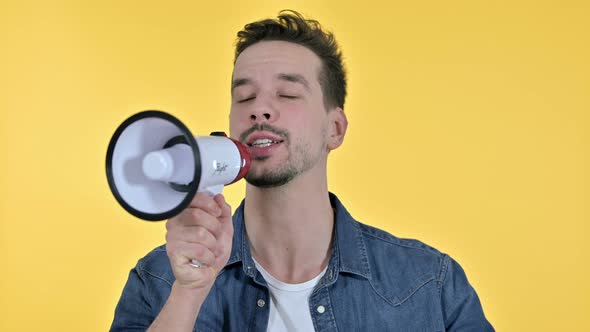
(155, 166)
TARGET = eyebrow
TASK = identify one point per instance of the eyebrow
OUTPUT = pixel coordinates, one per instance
(295, 78)
(239, 82)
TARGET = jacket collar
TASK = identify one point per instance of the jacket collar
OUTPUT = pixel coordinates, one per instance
(349, 253)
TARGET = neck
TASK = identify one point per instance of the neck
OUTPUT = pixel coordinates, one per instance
(290, 227)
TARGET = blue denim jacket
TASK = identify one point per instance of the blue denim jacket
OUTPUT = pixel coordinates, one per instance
(374, 282)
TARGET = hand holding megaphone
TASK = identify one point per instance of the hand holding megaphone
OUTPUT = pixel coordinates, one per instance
(200, 236)
(155, 166)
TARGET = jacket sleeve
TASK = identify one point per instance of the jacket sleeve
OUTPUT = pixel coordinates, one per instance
(134, 311)
(462, 310)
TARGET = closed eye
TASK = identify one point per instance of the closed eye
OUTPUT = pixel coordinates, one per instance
(288, 97)
(246, 99)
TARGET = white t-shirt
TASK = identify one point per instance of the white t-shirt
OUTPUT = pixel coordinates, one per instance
(289, 303)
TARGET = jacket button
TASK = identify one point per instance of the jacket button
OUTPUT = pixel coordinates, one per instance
(321, 309)
(260, 303)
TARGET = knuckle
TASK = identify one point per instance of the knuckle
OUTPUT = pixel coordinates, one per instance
(198, 251)
(174, 235)
(201, 233)
(170, 249)
(196, 214)
(171, 223)
(201, 198)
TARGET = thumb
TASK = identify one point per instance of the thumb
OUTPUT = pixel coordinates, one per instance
(225, 208)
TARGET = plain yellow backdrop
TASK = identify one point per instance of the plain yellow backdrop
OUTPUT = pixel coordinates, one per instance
(468, 130)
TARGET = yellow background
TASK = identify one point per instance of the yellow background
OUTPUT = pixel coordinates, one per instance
(468, 130)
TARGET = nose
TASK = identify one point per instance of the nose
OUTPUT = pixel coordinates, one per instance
(255, 116)
(263, 111)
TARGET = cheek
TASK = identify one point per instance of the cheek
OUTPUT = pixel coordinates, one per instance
(234, 126)
(315, 127)
(309, 133)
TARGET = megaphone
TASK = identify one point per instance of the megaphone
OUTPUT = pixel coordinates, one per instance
(155, 166)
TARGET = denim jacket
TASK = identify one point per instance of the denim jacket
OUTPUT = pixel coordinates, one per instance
(374, 282)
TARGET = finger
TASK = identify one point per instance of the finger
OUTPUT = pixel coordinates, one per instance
(196, 276)
(225, 239)
(205, 202)
(222, 204)
(192, 277)
(195, 217)
(188, 252)
(198, 235)
(225, 220)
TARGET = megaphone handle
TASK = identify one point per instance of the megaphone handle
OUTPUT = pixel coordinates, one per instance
(211, 191)
(214, 190)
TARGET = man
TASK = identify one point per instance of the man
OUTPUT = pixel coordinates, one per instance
(292, 258)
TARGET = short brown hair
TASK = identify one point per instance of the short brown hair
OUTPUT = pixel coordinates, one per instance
(292, 27)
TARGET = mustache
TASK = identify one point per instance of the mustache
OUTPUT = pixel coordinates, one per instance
(264, 127)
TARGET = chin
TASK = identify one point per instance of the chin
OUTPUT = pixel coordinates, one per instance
(264, 182)
(270, 177)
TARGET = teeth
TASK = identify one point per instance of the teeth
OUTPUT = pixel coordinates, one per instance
(263, 142)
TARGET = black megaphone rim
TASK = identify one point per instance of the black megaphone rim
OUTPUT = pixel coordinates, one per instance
(192, 187)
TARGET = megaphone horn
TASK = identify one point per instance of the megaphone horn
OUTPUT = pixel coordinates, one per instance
(155, 166)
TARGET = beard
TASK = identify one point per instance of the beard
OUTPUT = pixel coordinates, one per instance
(300, 160)
(271, 179)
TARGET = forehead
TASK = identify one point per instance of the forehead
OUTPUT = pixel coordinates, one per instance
(268, 58)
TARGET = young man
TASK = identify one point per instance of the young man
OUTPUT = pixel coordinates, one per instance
(292, 258)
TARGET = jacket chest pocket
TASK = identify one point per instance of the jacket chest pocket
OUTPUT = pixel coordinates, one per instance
(414, 307)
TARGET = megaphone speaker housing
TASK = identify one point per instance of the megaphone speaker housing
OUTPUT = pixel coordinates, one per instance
(136, 137)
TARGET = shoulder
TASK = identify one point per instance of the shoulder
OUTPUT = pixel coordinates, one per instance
(155, 265)
(379, 240)
(384, 257)
(400, 266)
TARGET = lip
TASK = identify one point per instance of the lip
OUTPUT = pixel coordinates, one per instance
(261, 153)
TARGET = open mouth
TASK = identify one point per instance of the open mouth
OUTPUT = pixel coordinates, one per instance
(263, 143)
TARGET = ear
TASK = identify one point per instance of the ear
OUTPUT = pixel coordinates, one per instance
(337, 125)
